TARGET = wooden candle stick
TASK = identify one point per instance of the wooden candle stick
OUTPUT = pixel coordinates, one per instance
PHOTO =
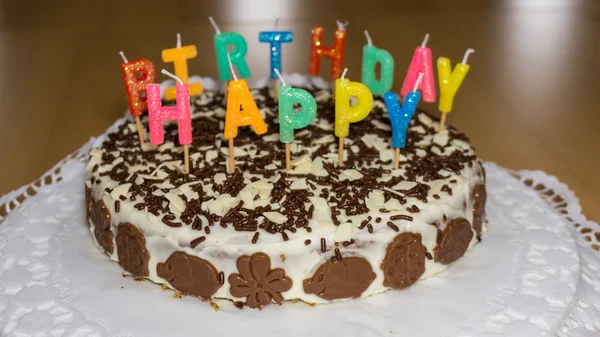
(138, 123)
(288, 155)
(397, 159)
(341, 152)
(186, 158)
(231, 156)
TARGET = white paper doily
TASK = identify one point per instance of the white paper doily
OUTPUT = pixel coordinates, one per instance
(535, 273)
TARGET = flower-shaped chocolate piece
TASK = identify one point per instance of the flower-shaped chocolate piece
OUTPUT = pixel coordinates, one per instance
(257, 281)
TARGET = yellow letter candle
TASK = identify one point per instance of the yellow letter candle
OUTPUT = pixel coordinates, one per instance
(450, 81)
(179, 57)
(346, 114)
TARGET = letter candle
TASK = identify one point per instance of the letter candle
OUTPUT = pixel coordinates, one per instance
(421, 63)
(241, 111)
(237, 57)
(335, 53)
(275, 38)
(346, 114)
(137, 74)
(180, 113)
(450, 82)
(400, 116)
(372, 56)
(179, 57)
(290, 120)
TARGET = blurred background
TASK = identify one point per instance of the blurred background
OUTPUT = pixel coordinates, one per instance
(530, 100)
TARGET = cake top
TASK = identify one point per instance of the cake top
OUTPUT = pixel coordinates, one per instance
(261, 196)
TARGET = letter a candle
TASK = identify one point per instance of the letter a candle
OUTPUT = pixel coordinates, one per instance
(450, 82)
(180, 113)
(290, 120)
(241, 111)
(179, 57)
(400, 116)
(346, 114)
(137, 74)
(421, 63)
(224, 57)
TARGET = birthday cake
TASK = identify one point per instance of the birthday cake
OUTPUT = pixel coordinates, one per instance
(316, 233)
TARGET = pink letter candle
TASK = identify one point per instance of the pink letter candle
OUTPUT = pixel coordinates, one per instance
(421, 63)
(180, 113)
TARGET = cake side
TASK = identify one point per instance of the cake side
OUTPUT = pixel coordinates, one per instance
(318, 233)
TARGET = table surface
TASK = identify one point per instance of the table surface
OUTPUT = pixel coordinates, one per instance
(530, 100)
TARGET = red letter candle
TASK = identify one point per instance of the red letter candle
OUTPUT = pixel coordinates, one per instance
(137, 74)
(335, 53)
(421, 63)
(180, 113)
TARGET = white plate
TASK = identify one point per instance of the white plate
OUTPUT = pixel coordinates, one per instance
(521, 280)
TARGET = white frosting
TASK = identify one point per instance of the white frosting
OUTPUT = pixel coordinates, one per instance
(224, 245)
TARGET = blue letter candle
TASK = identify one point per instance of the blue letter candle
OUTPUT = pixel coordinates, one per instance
(275, 39)
(400, 115)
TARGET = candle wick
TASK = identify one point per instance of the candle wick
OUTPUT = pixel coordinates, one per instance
(214, 24)
(344, 73)
(231, 66)
(280, 76)
(467, 53)
(178, 40)
(342, 25)
(369, 41)
(425, 40)
(123, 56)
(418, 82)
(172, 76)
(276, 23)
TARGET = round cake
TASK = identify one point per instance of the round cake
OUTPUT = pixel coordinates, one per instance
(317, 233)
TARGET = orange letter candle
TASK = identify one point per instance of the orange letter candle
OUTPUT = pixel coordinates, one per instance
(136, 75)
(179, 57)
(241, 111)
(335, 53)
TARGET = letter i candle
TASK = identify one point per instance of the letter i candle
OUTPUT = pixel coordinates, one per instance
(180, 113)
(275, 38)
(346, 114)
(290, 120)
(137, 74)
(400, 116)
(241, 111)
(450, 82)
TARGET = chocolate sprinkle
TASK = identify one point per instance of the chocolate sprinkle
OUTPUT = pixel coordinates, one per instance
(338, 255)
(255, 237)
(323, 245)
(197, 241)
(393, 226)
(401, 217)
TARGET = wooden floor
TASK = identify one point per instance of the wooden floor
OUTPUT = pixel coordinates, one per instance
(530, 101)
